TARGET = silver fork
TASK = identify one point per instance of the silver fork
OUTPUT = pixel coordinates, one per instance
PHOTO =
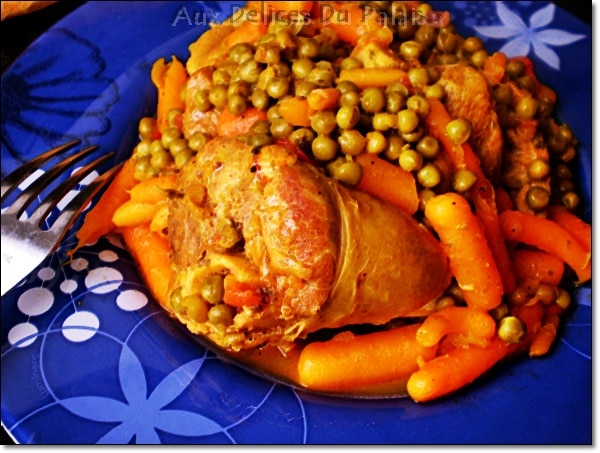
(24, 243)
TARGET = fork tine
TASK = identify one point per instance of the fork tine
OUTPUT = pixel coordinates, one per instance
(76, 205)
(17, 176)
(60, 191)
(36, 187)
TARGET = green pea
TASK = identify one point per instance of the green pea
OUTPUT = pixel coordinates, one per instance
(347, 85)
(146, 127)
(304, 88)
(221, 315)
(419, 77)
(429, 175)
(407, 121)
(570, 200)
(240, 87)
(218, 96)
(411, 50)
(143, 148)
(324, 148)
(459, 130)
(157, 146)
(220, 77)
(410, 160)
(302, 136)
(260, 99)
(349, 173)
(479, 58)
(472, 44)
(160, 159)
(347, 116)
(350, 99)
(352, 142)
(539, 169)
(278, 87)
(503, 94)
(394, 147)
(511, 329)
(302, 67)
(197, 141)
(250, 71)
(195, 308)
(183, 157)
(280, 128)
(307, 47)
(426, 35)
(515, 69)
(142, 168)
(376, 142)
(384, 121)
(537, 198)
(527, 107)
(414, 136)
(447, 42)
(372, 100)
(563, 299)
(236, 104)
(201, 100)
(435, 91)
(178, 145)
(395, 102)
(429, 147)
(212, 289)
(351, 63)
(463, 180)
(419, 104)
(273, 113)
(241, 52)
(168, 136)
(323, 122)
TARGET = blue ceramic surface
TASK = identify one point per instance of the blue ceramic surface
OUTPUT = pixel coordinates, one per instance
(89, 357)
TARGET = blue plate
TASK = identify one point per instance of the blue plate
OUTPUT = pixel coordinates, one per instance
(89, 357)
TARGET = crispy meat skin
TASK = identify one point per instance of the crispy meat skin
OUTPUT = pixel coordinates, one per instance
(322, 254)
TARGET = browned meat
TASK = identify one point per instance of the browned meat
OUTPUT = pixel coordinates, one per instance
(319, 254)
(194, 119)
(468, 96)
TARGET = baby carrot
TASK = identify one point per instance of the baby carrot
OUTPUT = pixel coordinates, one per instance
(374, 77)
(354, 361)
(459, 367)
(544, 337)
(464, 242)
(569, 221)
(461, 320)
(169, 79)
(537, 265)
(152, 190)
(151, 252)
(322, 99)
(388, 182)
(98, 221)
(295, 110)
(550, 236)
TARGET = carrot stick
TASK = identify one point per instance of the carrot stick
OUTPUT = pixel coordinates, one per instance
(230, 125)
(295, 110)
(537, 265)
(133, 213)
(98, 221)
(569, 221)
(388, 182)
(169, 79)
(374, 77)
(459, 367)
(322, 98)
(151, 252)
(349, 362)
(456, 320)
(482, 192)
(503, 201)
(152, 190)
(549, 236)
(464, 242)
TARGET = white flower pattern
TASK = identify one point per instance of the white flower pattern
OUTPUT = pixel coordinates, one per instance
(523, 37)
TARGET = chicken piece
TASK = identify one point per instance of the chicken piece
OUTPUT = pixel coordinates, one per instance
(308, 252)
(468, 96)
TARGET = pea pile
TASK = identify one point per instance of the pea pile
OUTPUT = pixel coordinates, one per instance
(295, 59)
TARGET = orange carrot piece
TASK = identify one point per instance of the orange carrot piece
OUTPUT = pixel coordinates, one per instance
(230, 125)
(98, 221)
(348, 20)
(388, 182)
(532, 316)
(482, 193)
(151, 252)
(456, 320)
(323, 98)
(249, 32)
(549, 236)
(374, 77)
(464, 242)
(543, 339)
(569, 221)
(494, 67)
(169, 79)
(152, 190)
(459, 367)
(503, 201)
(238, 294)
(538, 266)
(295, 110)
(349, 362)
